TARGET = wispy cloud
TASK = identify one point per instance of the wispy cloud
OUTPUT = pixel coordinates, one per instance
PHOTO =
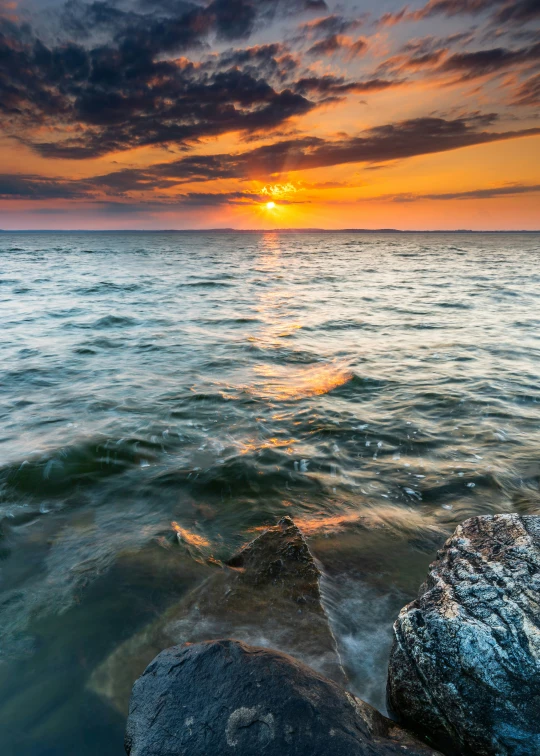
(471, 194)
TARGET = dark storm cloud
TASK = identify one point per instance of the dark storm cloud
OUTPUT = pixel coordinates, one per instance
(420, 136)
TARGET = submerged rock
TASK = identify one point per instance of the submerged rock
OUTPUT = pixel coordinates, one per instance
(465, 665)
(224, 697)
(267, 595)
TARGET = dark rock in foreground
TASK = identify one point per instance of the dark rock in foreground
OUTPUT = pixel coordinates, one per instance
(223, 697)
(267, 595)
(465, 666)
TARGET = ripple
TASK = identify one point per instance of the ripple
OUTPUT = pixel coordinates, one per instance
(83, 463)
(114, 321)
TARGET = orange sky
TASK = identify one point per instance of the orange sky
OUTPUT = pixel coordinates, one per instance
(262, 114)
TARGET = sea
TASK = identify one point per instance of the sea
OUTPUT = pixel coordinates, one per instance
(167, 395)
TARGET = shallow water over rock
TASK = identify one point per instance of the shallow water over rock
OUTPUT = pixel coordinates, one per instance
(267, 594)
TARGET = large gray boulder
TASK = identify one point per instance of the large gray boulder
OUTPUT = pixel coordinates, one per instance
(465, 665)
(223, 697)
(267, 595)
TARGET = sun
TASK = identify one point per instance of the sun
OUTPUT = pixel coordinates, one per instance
(270, 205)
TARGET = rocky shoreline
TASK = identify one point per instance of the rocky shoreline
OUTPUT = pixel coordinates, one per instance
(463, 677)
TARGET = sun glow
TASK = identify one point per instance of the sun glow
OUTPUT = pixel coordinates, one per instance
(270, 205)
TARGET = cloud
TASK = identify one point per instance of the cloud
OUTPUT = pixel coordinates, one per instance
(421, 136)
(505, 11)
(329, 86)
(518, 11)
(431, 57)
(454, 7)
(179, 24)
(271, 61)
(528, 93)
(112, 86)
(473, 194)
(321, 28)
(328, 36)
(429, 44)
(337, 43)
(423, 53)
(479, 63)
(216, 199)
(107, 98)
(396, 141)
(112, 75)
(34, 187)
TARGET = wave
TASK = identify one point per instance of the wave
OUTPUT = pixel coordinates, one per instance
(114, 321)
(262, 471)
(206, 284)
(227, 321)
(344, 325)
(80, 464)
(107, 287)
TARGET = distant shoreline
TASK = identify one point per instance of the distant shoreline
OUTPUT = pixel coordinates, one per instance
(262, 231)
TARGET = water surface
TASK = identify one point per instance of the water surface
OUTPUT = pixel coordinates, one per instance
(377, 388)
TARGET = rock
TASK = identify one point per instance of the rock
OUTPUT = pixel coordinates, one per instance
(267, 595)
(465, 665)
(223, 697)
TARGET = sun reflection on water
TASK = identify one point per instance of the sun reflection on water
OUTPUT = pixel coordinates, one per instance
(191, 538)
(284, 383)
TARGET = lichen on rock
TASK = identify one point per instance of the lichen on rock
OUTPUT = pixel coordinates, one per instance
(223, 696)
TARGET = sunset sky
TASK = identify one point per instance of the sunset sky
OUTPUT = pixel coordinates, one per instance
(151, 114)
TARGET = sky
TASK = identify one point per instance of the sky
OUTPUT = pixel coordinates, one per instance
(256, 114)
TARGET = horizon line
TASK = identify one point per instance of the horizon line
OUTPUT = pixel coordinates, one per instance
(231, 230)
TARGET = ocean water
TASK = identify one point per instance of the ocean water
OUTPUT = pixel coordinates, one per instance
(378, 388)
